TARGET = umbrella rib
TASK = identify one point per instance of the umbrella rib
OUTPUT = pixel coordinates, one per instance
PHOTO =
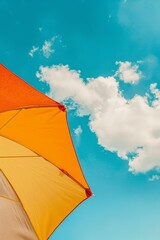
(10, 119)
(28, 107)
(18, 156)
(87, 190)
(1, 196)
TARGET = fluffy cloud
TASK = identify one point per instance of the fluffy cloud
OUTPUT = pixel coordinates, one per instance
(128, 72)
(128, 127)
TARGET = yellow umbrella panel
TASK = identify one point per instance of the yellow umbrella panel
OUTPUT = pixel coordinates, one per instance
(41, 181)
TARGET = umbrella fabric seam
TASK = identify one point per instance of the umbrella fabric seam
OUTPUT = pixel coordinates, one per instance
(8, 121)
(1, 196)
(32, 106)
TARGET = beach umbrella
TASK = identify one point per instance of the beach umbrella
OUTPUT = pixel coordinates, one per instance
(41, 181)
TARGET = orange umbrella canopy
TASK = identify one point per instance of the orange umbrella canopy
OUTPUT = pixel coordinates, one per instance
(41, 180)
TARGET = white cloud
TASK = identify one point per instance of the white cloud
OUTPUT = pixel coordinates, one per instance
(33, 50)
(154, 178)
(46, 49)
(156, 93)
(78, 131)
(128, 72)
(128, 127)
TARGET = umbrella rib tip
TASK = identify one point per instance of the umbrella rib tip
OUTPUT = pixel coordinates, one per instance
(62, 107)
(88, 192)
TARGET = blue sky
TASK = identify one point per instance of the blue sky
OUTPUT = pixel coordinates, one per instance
(101, 58)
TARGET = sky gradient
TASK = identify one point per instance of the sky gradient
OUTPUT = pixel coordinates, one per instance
(100, 58)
